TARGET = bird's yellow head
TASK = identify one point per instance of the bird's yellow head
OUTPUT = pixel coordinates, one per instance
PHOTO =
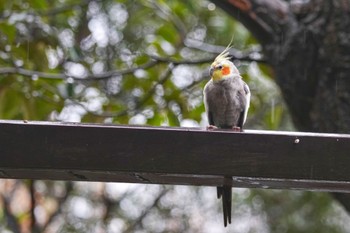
(222, 67)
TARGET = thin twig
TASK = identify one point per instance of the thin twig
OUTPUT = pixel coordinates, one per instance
(61, 200)
(32, 206)
(60, 76)
(177, 22)
(181, 62)
(164, 77)
(12, 221)
(63, 8)
(111, 204)
(138, 221)
(234, 53)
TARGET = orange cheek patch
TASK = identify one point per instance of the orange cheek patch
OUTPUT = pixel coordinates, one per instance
(225, 70)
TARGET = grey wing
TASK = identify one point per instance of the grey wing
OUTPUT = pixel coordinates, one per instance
(206, 105)
(247, 97)
(244, 96)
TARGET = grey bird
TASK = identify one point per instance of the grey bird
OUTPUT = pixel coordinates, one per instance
(226, 100)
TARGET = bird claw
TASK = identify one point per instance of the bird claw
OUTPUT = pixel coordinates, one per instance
(236, 128)
(212, 127)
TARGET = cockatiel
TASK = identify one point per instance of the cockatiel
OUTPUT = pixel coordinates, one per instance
(226, 100)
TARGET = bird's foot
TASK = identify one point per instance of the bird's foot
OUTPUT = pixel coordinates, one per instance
(236, 129)
(212, 127)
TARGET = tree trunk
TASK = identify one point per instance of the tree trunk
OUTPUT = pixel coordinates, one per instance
(307, 43)
(313, 70)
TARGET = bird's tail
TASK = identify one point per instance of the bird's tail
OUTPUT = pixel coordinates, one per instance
(225, 192)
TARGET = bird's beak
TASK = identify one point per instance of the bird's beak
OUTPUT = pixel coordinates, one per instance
(211, 71)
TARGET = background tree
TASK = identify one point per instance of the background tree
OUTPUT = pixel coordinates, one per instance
(306, 43)
(146, 62)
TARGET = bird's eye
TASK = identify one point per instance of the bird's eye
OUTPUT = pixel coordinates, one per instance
(219, 67)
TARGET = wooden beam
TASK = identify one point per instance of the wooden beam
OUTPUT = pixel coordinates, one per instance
(160, 155)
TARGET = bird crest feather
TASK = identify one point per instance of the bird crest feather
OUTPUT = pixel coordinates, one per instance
(224, 55)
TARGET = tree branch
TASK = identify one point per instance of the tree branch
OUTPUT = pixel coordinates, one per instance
(64, 8)
(235, 55)
(33, 220)
(155, 60)
(138, 221)
(165, 10)
(254, 55)
(181, 62)
(106, 75)
(139, 103)
(12, 221)
(263, 18)
(60, 200)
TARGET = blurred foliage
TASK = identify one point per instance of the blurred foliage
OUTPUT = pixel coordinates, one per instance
(136, 62)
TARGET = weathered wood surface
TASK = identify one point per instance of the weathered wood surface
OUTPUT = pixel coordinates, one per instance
(158, 155)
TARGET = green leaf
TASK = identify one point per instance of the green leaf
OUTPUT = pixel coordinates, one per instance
(168, 33)
(266, 70)
(173, 119)
(11, 104)
(39, 4)
(9, 31)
